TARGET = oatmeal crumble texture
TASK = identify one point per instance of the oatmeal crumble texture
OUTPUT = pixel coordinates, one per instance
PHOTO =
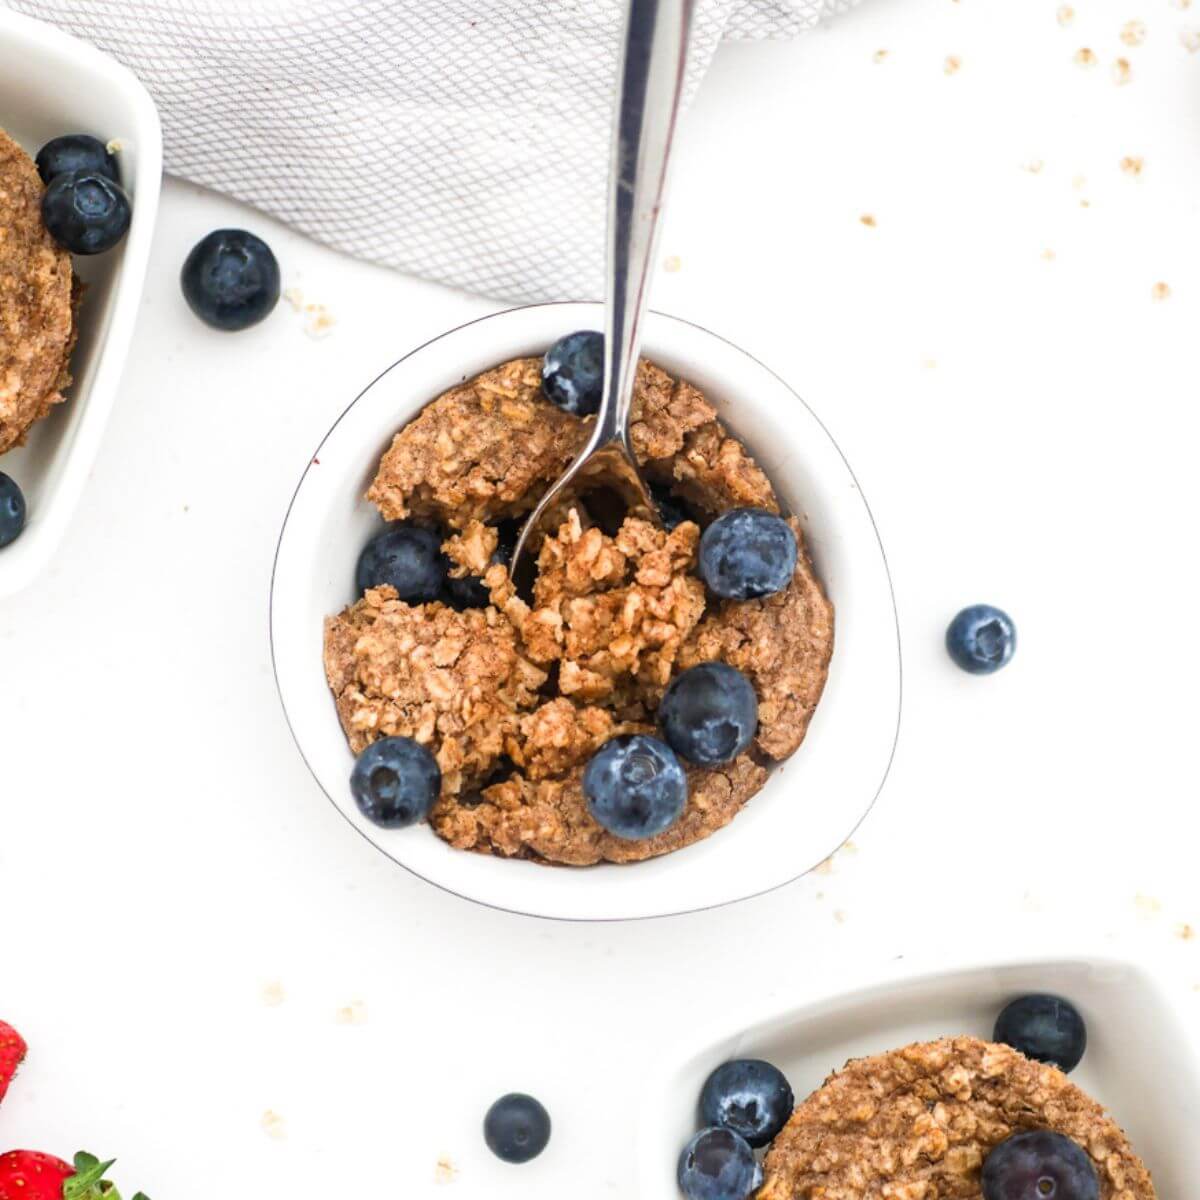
(38, 300)
(917, 1124)
(514, 698)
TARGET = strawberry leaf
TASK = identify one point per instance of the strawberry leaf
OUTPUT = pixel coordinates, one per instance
(88, 1181)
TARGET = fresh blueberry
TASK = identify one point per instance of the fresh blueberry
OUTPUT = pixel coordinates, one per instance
(406, 557)
(670, 510)
(471, 591)
(573, 372)
(747, 553)
(395, 782)
(634, 786)
(231, 279)
(981, 639)
(1044, 1028)
(75, 152)
(12, 510)
(718, 1164)
(516, 1128)
(1039, 1165)
(85, 212)
(709, 714)
(749, 1096)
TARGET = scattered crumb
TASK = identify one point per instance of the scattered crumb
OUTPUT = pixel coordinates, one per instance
(1181, 3)
(1033, 166)
(1085, 57)
(1185, 933)
(952, 64)
(672, 263)
(1132, 164)
(1048, 255)
(825, 867)
(1133, 33)
(1147, 904)
(320, 320)
(354, 1013)
(879, 56)
(445, 1170)
(1190, 39)
(114, 146)
(273, 1125)
(849, 847)
(1079, 182)
(295, 297)
(839, 915)
(1085, 203)
(1160, 291)
(929, 363)
(272, 994)
(1122, 72)
(868, 220)
(1065, 14)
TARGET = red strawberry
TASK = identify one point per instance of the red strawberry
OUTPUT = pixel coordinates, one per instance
(12, 1051)
(31, 1175)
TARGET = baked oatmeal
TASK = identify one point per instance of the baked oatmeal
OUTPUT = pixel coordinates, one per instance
(37, 301)
(917, 1124)
(513, 697)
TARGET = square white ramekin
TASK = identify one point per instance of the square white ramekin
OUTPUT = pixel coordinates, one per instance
(1141, 1061)
(52, 84)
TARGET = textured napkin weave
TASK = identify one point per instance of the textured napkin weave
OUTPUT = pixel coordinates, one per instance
(462, 140)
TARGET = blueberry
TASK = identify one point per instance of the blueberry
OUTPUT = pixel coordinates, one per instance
(573, 372)
(516, 1128)
(12, 510)
(634, 786)
(981, 639)
(230, 279)
(406, 557)
(85, 212)
(471, 591)
(747, 553)
(670, 510)
(709, 714)
(718, 1164)
(75, 152)
(1044, 1028)
(395, 782)
(1039, 1165)
(749, 1096)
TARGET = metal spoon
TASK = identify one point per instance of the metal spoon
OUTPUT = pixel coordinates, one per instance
(649, 92)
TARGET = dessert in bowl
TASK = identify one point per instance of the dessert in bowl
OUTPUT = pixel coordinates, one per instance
(514, 698)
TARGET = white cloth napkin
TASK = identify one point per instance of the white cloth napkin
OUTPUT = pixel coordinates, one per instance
(462, 140)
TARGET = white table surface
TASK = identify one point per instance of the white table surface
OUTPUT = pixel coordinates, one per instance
(1026, 431)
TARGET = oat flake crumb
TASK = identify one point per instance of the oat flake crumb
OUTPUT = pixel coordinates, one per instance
(295, 297)
(1190, 39)
(354, 1013)
(273, 1125)
(879, 56)
(1185, 933)
(1065, 14)
(272, 994)
(115, 146)
(1079, 182)
(1181, 3)
(1033, 166)
(1086, 57)
(868, 220)
(445, 1170)
(1132, 164)
(1160, 291)
(1048, 255)
(1133, 33)
(319, 320)
(952, 64)
(1122, 72)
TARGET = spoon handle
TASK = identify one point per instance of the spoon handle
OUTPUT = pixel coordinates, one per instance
(649, 92)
